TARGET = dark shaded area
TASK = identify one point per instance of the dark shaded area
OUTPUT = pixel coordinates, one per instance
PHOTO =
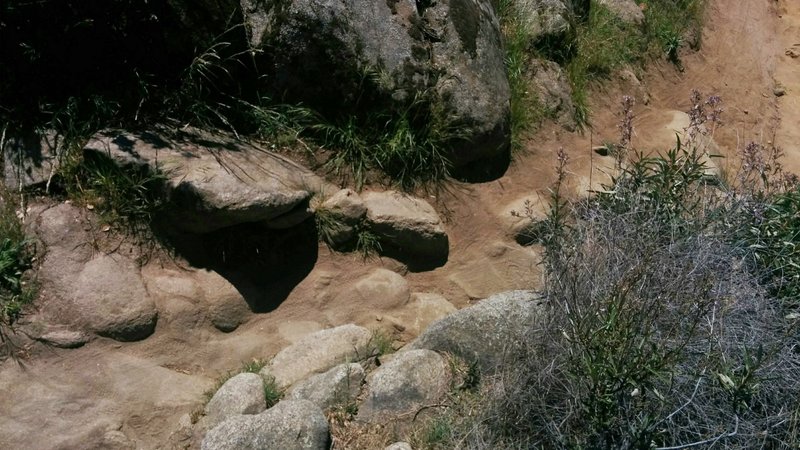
(75, 63)
(414, 263)
(264, 265)
(483, 170)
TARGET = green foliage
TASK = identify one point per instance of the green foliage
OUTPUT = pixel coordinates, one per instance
(671, 23)
(129, 196)
(381, 343)
(15, 259)
(367, 243)
(436, 434)
(407, 144)
(773, 236)
(603, 44)
(656, 331)
(526, 110)
(272, 393)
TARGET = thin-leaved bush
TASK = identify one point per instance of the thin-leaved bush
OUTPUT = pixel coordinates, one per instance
(658, 329)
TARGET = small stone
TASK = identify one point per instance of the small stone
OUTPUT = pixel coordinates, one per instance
(242, 394)
(407, 382)
(399, 446)
(338, 386)
(318, 352)
(779, 91)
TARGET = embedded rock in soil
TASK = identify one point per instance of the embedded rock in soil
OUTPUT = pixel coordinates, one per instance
(242, 394)
(105, 295)
(318, 352)
(380, 290)
(213, 181)
(486, 333)
(424, 309)
(552, 88)
(289, 425)
(407, 382)
(338, 386)
(110, 299)
(408, 228)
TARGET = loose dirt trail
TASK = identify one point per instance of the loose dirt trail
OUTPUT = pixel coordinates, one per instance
(87, 398)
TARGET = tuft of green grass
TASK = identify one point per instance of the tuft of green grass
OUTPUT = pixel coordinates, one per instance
(16, 254)
(381, 343)
(526, 109)
(129, 196)
(409, 144)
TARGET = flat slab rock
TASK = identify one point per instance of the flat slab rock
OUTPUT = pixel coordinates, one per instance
(214, 181)
(289, 425)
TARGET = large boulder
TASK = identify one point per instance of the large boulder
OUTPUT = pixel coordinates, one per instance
(486, 333)
(318, 352)
(401, 386)
(242, 394)
(289, 425)
(101, 294)
(338, 386)
(407, 227)
(450, 49)
(213, 181)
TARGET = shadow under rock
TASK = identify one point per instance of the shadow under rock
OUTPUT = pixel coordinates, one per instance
(263, 264)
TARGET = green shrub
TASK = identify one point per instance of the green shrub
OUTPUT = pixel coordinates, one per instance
(659, 330)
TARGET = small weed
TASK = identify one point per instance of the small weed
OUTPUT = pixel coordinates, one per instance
(272, 393)
(381, 343)
(367, 243)
(437, 433)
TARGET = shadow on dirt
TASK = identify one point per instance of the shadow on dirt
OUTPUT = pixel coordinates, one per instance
(264, 264)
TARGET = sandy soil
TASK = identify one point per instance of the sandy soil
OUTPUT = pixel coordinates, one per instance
(64, 399)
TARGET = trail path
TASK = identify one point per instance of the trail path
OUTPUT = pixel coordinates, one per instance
(65, 399)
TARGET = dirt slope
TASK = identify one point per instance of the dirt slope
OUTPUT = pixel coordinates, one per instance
(80, 398)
